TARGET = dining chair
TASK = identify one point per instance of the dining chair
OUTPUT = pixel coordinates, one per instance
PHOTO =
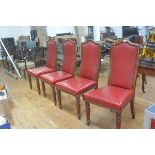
(68, 68)
(49, 67)
(88, 76)
(121, 82)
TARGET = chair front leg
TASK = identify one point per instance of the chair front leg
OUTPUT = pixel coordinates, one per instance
(54, 94)
(30, 81)
(78, 106)
(59, 98)
(118, 120)
(38, 85)
(43, 88)
(132, 107)
(87, 106)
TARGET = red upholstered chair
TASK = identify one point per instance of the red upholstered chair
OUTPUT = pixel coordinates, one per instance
(50, 65)
(68, 68)
(121, 84)
(88, 77)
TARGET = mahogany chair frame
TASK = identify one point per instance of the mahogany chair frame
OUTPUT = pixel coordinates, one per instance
(96, 79)
(53, 85)
(131, 99)
(37, 79)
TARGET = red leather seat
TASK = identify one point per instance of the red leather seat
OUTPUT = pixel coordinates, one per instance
(36, 72)
(121, 84)
(88, 77)
(68, 68)
(55, 77)
(76, 86)
(50, 65)
(110, 97)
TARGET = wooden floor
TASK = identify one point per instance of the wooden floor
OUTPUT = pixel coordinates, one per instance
(29, 110)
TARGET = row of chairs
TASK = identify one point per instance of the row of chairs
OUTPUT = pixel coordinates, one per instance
(121, 83)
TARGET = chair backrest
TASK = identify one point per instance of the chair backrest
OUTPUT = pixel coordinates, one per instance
(69, 59)
(123, 64)
(51, 54)
(90, 60)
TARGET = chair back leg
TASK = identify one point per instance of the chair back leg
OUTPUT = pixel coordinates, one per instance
(38, 85)
(54, 95)
(43, 88)
(30, 81)
(132, 107)
(118, 120)
(87, 106)
(59, 98)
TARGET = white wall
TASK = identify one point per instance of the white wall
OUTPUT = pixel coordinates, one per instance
(53, 30)
(118, 31)
(143, 32)
(14, 31)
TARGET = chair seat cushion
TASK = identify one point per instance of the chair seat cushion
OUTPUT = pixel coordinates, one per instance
(76, 86)
(36, 72)
(110, 97)
(52, 78)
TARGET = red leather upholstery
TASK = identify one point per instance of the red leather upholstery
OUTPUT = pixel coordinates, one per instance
(36, 72)
(110, 97)
(90, 60)
(51, 62)
(52, 78)
(76, 86)
(123, 65)
(121, 84)
(52, 54)
(69, 59)
(153, 124)
(68, 67)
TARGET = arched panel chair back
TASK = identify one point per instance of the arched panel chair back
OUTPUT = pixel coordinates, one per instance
(123, 64)
(90, 60)
(51, 54)
(69, 59)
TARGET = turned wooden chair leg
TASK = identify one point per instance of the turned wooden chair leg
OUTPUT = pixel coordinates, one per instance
(78, 106)
(87, 106)
(54, 95)
(43, 88)
(59, 98)
(30, 81)
(145, 80)
(38, 85)
(118, 120)
(143, 83)
(132, 108)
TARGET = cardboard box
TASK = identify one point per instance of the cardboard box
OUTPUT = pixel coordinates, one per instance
(4, 108)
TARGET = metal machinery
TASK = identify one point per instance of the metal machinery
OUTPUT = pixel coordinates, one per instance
(148, 51)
